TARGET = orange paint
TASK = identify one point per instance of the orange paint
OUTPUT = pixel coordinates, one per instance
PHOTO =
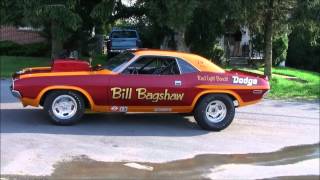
(78, 73)
(199, 62)
(231, 87)
(36, 101)
(98, 108)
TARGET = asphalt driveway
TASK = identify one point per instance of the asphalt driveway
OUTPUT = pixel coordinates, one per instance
(31, 145)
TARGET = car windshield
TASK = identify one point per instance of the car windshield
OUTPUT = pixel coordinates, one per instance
(118, 61)
(124, 34)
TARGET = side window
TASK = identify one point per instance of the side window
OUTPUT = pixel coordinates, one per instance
(144, 65)
(186, 67)
(153, 65)
(167, 66)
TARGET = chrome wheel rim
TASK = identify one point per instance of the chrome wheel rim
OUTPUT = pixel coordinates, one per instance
(216, 111)
(64, 106)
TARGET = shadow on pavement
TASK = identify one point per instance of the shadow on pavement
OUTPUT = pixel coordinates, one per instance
(37, 121)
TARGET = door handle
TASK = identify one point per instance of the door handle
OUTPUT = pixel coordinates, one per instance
(177, 83)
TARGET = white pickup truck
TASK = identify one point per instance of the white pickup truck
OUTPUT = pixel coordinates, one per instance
(120, 40)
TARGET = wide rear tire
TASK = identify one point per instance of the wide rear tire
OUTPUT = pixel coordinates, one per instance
(214, 112)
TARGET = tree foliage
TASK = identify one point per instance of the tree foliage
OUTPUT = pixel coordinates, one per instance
(186, 25)
(175, 15)
(304, 40)
(62, 18)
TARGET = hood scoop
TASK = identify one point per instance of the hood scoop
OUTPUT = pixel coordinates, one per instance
(70, 65)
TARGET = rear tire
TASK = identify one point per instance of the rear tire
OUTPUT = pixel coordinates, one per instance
(214, 112)
(64, 107)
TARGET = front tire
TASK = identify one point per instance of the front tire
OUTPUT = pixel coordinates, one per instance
(214, 112)
(64, 107)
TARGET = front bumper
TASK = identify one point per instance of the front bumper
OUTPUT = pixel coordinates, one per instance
(15, 93)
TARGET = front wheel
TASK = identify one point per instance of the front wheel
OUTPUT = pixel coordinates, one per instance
(215, 112)
(64, 107)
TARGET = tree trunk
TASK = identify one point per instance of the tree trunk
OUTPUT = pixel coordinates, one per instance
(56, 43)
(165, 42)
(268, 31)
(100, 42)
(99, 38)
(179, 38)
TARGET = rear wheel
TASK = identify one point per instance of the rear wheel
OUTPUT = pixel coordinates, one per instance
(64, 107)
(215, 112)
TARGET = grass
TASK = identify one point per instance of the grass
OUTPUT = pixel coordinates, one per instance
(306, 86)
(11, 64)
(281, 88)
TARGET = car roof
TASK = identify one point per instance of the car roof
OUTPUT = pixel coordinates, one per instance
(201, 63)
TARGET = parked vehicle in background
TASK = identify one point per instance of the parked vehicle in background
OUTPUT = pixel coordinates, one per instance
(120, 40)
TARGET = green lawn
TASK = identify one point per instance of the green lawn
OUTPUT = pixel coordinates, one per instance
(11, 64)
(306, 87)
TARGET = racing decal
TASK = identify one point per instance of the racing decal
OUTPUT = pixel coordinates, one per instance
(215, 78)
(123, 109)
(162, 109)
(119, 109)
(143, 94)
(246, 81)
(114, 108)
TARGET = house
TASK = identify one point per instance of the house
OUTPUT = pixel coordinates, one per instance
(21, 35)
(238, 47)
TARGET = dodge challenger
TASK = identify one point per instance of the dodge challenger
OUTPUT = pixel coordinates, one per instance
(148, 81)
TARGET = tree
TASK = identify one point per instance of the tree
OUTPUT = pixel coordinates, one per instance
(101, 14)
(64, 17)
(59, 15)
(210, 21)
(304, 40)
(269, 17)
(175, 15)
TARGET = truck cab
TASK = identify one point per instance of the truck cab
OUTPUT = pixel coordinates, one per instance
(120, 40)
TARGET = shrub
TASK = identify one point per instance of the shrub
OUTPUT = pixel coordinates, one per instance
(302, 53)
(217, 55)
(279, 49)
(10, 48)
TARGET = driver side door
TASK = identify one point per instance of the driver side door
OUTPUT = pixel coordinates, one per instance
(151, 83)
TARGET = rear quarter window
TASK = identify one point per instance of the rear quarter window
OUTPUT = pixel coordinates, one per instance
(185, 67)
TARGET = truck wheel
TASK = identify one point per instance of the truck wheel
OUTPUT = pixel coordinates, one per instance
(214, 112)
(64, 107)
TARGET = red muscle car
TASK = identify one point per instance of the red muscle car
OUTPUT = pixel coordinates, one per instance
(140, 81)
